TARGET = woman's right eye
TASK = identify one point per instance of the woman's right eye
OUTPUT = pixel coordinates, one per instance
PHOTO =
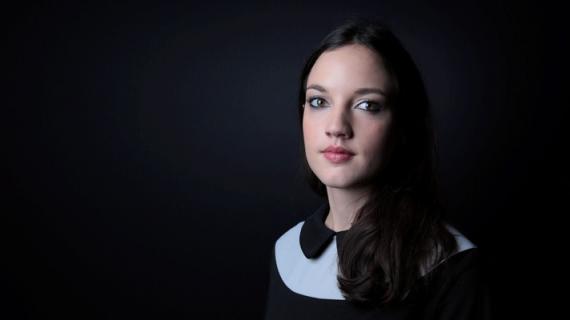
(313, 99)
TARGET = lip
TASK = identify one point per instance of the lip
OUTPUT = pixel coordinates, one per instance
(338, 149)
(337, 154)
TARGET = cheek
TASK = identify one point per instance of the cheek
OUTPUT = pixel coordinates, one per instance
(377, 136)
(308, 131)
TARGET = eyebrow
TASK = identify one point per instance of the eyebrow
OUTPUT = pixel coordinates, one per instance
(359, 91)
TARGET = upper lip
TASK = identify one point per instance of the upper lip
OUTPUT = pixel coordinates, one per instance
(337, 149)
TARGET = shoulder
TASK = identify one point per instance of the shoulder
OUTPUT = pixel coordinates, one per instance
(314, 277)
(290, 238)
(465, 249)
(467, 261)
(463, 243)
(287, 247)
(460, 287)
(461, 275)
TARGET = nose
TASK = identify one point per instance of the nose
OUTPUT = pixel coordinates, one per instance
(338, 124)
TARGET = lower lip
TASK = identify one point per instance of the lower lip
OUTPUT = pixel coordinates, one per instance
(338, 157)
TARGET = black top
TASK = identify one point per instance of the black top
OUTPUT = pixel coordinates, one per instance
(303, 284)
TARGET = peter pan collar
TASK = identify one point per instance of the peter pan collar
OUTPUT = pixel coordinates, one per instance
(316, 236)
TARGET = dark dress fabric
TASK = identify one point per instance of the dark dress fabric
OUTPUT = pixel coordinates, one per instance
(458, 287)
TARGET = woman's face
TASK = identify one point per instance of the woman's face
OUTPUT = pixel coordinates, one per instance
(338, 111)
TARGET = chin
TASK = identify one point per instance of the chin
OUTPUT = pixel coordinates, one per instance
(337, 182)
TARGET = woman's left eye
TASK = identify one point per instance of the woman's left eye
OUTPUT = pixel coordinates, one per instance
(370, 106)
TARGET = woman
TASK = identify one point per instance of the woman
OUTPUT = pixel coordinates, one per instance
(378, 247)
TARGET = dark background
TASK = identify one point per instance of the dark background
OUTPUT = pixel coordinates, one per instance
(152, 149)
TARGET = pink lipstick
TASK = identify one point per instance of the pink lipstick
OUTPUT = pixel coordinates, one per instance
(337, 154)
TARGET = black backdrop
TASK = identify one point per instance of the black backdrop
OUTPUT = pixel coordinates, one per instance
(152, 149)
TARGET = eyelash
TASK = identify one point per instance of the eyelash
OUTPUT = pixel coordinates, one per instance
(370, 102)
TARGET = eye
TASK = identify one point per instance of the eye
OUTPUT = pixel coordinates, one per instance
(312, 99)
(371, 106)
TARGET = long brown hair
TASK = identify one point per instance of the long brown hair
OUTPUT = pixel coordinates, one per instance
(400, 230)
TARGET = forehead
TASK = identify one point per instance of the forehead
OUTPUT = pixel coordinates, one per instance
(349, 67)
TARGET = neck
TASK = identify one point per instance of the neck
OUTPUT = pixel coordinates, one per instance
(343, 205)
